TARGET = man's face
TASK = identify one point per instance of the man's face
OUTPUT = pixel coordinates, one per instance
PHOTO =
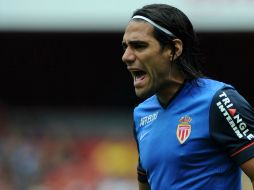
(147, 62)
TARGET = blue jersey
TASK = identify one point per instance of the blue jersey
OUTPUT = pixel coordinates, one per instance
(198, 141)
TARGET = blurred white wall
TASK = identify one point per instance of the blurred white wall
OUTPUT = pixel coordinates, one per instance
(113, 15)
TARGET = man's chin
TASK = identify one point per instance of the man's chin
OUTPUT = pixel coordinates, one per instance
(142, 94)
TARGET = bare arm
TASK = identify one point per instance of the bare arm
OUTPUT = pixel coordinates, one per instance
(143, 186)
(248, 168)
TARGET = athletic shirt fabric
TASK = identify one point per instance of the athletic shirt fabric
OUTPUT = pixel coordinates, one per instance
(198, 141)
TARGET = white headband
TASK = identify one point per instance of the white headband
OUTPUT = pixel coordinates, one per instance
(154, 24)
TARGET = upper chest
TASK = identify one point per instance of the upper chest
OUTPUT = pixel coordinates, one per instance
(178, 133)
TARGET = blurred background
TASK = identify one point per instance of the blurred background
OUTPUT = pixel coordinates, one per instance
(66, 98)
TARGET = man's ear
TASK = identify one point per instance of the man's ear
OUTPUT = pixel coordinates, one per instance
(178, 47)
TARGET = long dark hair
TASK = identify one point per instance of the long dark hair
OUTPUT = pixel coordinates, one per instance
(178, 23)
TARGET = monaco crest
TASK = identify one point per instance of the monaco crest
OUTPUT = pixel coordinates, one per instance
(183, 129)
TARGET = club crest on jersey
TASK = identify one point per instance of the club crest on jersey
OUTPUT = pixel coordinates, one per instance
(183, 129)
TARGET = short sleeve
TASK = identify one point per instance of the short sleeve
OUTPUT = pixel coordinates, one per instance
(232, 124)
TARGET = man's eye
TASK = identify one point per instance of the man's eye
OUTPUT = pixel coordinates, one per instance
(140, 46)
(124, 46)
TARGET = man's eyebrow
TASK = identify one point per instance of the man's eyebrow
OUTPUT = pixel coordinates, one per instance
(133, 42)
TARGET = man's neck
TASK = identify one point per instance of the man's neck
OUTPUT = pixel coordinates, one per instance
(165, 95)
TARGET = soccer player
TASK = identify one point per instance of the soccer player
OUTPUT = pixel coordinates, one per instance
(192, 132)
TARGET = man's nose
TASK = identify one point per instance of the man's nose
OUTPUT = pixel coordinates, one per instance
(128, 56)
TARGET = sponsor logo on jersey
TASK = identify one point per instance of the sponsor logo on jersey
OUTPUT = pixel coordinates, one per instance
(183, 129)
(233, 118)
(143, 134)
(148, 119)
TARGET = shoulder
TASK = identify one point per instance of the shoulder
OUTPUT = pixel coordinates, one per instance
(203, 90)
(211, 84)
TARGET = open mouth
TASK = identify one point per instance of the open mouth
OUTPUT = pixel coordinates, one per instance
(139, 75)
(139, 78)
